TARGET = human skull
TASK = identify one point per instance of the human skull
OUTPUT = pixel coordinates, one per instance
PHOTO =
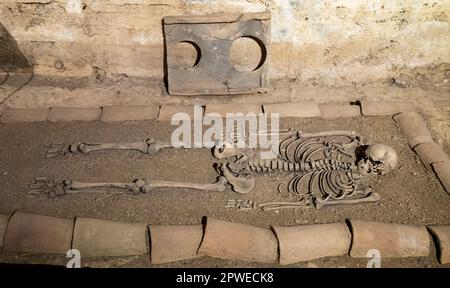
(378, 159)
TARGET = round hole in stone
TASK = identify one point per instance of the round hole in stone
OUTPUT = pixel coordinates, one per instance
(186, 53)
(247, 53)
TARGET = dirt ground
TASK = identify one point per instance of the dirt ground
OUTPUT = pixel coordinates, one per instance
(410, 194)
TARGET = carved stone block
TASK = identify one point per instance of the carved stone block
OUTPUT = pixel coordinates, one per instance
(205, 56)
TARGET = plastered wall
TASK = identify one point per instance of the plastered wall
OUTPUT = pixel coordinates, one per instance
(328, 42)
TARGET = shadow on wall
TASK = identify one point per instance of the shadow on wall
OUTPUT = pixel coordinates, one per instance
(15, 69)
(11, 58)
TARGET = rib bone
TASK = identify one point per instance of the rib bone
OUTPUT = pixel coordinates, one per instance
(349, 134)
(373, 197)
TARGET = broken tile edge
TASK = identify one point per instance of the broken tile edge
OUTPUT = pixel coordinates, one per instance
(326, 115)
(387, 112)
(429, 166)
(4, 114)
(182, 110)
(131, 107)
(314, 113)
(424, 138)
(99, 112)
(2, 240)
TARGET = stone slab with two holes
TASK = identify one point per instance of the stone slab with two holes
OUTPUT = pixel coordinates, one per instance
(211, 39)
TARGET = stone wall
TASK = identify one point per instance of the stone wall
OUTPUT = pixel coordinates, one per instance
(325, 42)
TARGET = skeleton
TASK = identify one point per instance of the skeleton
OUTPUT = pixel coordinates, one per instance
(329, 168)
(327, 180)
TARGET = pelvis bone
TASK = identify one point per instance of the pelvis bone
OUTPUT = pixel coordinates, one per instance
(240, 183)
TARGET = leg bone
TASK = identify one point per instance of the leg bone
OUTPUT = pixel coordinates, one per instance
(147, 147)
(219, 185)
(73, 187)
(142, 186)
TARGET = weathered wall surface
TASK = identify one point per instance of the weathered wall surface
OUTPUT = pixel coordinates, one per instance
(328, 42)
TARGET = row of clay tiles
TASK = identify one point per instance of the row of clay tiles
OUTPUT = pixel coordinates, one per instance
(419, 137)
(410, 122)
(24, 232)
(165, 112)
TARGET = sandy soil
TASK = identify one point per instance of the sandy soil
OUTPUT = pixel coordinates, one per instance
(410, 194)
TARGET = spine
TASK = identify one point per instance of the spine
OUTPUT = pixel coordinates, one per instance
(257, 165)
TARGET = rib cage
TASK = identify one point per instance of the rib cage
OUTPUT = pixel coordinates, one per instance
(324, 185)
(301, 150)
(326, 171)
